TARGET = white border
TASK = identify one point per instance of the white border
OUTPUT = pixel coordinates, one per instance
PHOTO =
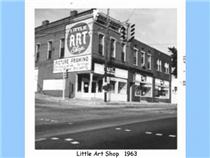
(30, 5)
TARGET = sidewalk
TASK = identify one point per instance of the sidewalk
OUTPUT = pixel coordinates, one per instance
(75, 102)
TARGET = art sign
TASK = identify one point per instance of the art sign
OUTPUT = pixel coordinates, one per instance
(78, 38)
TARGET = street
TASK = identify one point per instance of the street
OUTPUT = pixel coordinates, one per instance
(105, 127)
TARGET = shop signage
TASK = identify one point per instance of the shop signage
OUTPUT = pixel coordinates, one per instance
(111, 70)
(121, 73)
(98, 68)
(78, 38)
(79, 63)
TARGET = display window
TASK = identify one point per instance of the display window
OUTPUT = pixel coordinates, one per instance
(161, 89)
(143, 85)
(143, 89)
(112, 86)
(122, 87)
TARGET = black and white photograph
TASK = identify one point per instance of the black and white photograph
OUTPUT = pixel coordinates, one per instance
(105, 78)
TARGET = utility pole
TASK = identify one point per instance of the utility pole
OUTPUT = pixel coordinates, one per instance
(65, 74)
(106, 52)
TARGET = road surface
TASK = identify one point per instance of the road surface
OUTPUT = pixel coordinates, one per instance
(155, 134)
(72, 127)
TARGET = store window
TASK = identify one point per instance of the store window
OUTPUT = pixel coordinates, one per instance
(112, 86)
(161, 89)
(122, 87)
(101, 44)
(37, 52)
(83, 83)
(49, 54)
(146, 90)
(62, 48)
(123, 56)
(143, 87)
(137, 89)
(135, 57)
(112, 47)
(100, 85)
(142, 58)
(149, 61)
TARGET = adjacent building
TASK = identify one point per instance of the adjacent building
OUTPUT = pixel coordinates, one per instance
(71, 54)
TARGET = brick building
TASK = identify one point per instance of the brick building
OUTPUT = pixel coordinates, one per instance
(79, 45)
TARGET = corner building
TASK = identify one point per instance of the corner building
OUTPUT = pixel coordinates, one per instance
(77, 47)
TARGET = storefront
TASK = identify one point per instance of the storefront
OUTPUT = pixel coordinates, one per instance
(162, 89)
(90, 85)
(142, 87)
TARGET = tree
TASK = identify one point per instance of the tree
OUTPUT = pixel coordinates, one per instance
(173, 50)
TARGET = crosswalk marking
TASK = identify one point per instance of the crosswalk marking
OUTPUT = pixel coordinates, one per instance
(54, 138)
(158, 134)
(75, 142)
(148, 132)
(68, 139)
(173, 136)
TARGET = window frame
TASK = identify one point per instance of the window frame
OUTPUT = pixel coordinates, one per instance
(166, 68)
(37, 52)
(160, 65)
(48, 49)
(115, 47)
(157, 63)
(150, 63)
(136, 50)
(124, 48)
(103, 50)
(144, 56)
(63, 47)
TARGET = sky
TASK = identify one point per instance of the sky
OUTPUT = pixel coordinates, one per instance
(155, 27)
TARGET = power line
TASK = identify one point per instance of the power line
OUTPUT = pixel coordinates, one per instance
(132, 13)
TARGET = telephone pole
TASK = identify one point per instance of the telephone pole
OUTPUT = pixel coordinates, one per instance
(107, 51)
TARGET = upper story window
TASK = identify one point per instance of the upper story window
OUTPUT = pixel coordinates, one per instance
(142, 58)
(62, 40)
(101, 44)
(159, 65)
(135, 57)
(49, 54)
(166, 66)
(123, 55)
(37, 52)
(149, 61)
(113, 47)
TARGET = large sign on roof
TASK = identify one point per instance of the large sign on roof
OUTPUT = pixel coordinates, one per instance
(78, 45)
(78, 38)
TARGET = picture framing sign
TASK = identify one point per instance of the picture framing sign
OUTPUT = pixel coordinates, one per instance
(78, 63)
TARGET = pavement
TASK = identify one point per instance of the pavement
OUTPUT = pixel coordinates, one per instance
(55, 116)
(156, 134)
(77, 103)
